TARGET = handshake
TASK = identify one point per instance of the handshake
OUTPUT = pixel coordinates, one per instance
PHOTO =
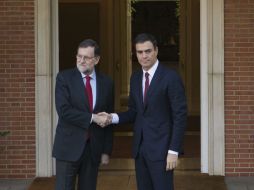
(102, 119)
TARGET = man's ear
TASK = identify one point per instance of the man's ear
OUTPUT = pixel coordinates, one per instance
(97, 60)
(157, 50)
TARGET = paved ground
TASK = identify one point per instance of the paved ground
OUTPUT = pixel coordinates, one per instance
(15, 184)
(233, 183)
(240, 183)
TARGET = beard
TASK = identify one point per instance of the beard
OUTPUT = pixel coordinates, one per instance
(84, 69)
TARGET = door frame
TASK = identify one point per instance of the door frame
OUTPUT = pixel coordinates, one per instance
(211, 74)
(212, 87)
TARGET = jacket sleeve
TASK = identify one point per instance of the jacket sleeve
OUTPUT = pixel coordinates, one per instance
(178, 107)
(129, 116)
(108, 143)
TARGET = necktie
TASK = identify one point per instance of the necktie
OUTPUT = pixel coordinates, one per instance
(89, 93)
(146, 85)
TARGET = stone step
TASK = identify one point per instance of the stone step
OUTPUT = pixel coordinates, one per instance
(185, 164)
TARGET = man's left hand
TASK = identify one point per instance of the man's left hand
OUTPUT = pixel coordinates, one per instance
(171, 161)
(104, 159)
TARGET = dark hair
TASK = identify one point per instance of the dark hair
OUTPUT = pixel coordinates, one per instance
(144, 37)
(90, 43)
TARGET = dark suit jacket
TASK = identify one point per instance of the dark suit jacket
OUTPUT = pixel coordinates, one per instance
(75, 118)
(160, 123)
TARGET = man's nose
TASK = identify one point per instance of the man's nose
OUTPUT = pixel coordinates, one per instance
(144, 55)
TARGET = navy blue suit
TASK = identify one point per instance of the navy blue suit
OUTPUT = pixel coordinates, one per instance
(74, 123)
(159, 125)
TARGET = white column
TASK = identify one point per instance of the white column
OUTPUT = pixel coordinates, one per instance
(55, 66)
(204, 84)
(212, 87)
(43, 90)
(218, 89)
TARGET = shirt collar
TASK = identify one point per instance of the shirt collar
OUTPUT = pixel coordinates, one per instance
(92, 75)
(152, 70)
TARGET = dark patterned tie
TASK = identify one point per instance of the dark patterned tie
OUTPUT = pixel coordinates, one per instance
(89, 92)
(146, 85)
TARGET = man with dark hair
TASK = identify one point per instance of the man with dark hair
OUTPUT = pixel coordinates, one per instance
(80, 144)
(157, 106)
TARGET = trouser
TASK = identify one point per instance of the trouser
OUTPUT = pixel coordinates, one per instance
(85, 168)
(152, 175)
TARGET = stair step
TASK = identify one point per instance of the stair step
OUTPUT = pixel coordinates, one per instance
(185, 164)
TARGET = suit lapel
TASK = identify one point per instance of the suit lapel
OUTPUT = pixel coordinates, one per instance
(99, 85)
(155, 82)
(140, 88)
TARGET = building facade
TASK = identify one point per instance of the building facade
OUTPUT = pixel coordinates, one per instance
(28, 65)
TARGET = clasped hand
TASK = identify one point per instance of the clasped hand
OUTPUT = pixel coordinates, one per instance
(102, 119)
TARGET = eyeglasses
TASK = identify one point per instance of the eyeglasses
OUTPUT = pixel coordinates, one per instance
(85, 58)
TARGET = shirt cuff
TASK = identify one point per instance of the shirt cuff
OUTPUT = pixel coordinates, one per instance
(115, 118)
(172, 152)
